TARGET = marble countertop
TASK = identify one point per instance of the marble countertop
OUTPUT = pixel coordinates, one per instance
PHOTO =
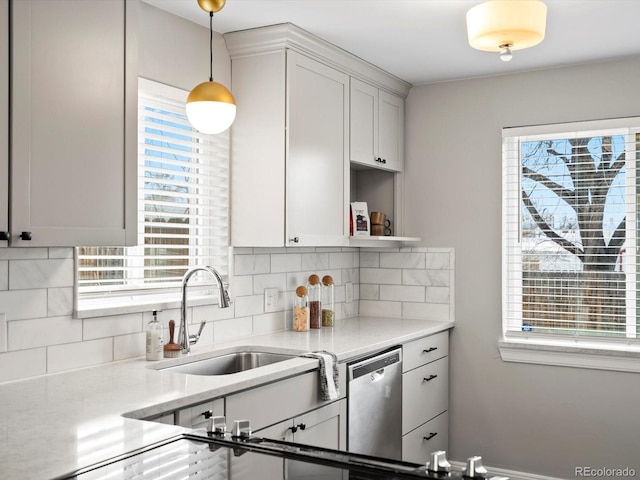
(55, 424)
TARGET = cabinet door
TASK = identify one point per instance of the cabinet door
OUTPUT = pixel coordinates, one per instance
(4, 120)
(325, 427)
(74, 102)
(316, 166)
(391, 131)
(363, 123)
(250, 466)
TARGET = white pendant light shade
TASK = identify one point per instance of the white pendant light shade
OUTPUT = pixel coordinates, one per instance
(518, 24)
(211, 108)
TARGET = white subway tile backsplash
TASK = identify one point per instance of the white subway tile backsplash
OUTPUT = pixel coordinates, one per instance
(251, 264)
(251, 305)
(23, 364)
(427, 311)
(101, 327)
(4, 275)
(22, 304)
(78, 355)
(59, 301)
(438, 295)
(344, 259)
(23, 253)
(318, 262)
(36, 293)
(269, 322)
(370, 259)
(271, 280)
(380, 309)
(286, 262)
(232, 328)
(402, 293)
(129, 346)
(387, 276)
(42, 332)
(241, 285)
(403, 260)
(437, 261)
(369, 292)
(27, 274)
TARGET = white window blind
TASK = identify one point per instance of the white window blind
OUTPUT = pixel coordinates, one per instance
(183, 205)
(570, 219)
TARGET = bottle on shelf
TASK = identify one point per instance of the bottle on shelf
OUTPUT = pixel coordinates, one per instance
(301, 310)
(314, 292)
(328, 302)
(155, 338)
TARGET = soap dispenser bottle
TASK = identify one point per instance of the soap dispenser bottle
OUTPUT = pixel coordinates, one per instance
(155, 340)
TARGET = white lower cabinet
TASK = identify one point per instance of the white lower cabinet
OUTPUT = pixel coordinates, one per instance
(428, 437)
(425, 397)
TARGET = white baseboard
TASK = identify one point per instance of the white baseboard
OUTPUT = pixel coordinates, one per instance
(511, 474)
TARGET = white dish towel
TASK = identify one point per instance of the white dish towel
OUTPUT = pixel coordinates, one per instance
(328, 371)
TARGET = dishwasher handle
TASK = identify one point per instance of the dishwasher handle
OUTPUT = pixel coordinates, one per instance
(377, 363)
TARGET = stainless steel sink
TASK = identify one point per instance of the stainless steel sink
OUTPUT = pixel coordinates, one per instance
(230, 363)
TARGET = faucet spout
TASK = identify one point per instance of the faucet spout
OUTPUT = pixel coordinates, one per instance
(184, 339)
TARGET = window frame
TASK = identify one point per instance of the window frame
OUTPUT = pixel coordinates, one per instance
(131, 298)
(604, 353)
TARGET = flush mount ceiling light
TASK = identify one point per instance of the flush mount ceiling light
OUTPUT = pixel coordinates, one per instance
(211, 107)
(506, 25)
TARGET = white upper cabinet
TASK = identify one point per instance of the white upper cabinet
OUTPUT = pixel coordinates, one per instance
(290, 143)
(376, 127)
(4, 122)
(73, 118)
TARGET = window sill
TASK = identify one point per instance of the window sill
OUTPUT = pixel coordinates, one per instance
(137, 304)
(623, 357)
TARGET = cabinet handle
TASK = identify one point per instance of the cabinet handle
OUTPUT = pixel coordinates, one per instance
(302, 426)
(384, 160)
(208, 414)
(429, 378)
(431, 435)
(5, 236)
(430, 350)
(294, 239)
(293, 429)
(26, 236)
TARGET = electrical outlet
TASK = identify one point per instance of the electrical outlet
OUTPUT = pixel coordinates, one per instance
(270, 300)
(3, 332)
(348, 292)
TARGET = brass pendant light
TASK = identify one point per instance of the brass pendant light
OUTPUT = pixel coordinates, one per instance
(211, 107)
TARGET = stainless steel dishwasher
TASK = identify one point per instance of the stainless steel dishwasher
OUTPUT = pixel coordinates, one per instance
(375, 405)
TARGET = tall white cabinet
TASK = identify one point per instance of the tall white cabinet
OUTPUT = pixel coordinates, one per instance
(73, 122)
(291, 167)
(288, 150)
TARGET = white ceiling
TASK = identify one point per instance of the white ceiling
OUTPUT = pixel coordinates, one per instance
(424, 41)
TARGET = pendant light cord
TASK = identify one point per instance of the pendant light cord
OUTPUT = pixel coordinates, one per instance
(211, 46)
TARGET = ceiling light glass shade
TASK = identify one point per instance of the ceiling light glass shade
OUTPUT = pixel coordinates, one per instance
(495, 23)
(211, 108)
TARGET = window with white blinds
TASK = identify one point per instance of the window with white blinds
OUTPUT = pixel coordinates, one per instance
(570, 221)
(183, 205)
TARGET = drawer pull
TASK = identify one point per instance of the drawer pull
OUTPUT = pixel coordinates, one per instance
(431, 435)
(293, 429)
(302, 426)
(429, 378)
(430, 350)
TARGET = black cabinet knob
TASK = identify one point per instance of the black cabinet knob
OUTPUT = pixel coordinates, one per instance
(5, 236)
(293, 429)
(302, 426)
(208, 414)
(26, 236)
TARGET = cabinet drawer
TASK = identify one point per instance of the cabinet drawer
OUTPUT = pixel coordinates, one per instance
(276, 401)
(424, 350)
(429, 437)
(425, 393)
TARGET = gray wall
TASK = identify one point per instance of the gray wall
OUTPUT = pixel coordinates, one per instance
(540, 419)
